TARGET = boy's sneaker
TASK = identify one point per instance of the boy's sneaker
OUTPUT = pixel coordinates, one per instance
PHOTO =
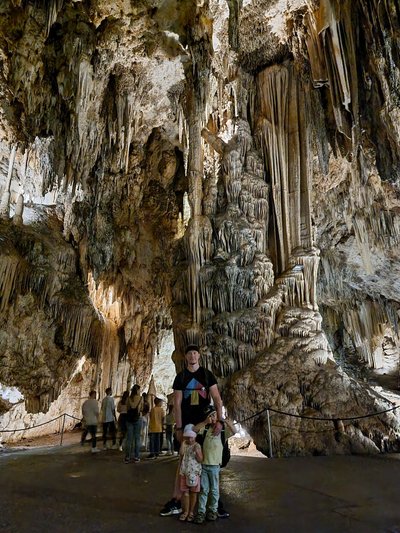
(222, 513)
(211, 516)
(95, 450)
(199, 518)
(170, 508)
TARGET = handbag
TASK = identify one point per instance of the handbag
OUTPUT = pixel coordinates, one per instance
(192, 479)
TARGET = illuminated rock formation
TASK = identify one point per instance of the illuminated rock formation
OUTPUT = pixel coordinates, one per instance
(227, 170)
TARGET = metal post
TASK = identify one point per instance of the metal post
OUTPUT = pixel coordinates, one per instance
(269, 435)
(62, 430)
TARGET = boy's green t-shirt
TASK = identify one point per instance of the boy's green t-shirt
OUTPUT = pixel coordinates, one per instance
(212, 445)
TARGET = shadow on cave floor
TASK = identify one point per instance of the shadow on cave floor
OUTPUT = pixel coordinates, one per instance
(67, 489)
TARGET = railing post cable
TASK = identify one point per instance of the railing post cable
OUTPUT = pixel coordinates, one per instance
(62, 430)
(269, 435)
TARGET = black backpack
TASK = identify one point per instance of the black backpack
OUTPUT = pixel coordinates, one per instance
(226, 452)
(132, 415)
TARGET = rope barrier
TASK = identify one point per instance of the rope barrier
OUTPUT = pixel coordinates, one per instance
(319, 418)
(325, 419)
(39, 425)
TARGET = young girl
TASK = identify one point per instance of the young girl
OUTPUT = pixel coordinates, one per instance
(191, 457)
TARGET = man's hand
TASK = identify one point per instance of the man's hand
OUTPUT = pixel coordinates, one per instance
(217, 428)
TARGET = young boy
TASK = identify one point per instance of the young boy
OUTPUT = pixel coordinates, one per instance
(157, 416)
(212, 458)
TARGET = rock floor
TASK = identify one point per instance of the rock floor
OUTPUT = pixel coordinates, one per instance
(67, 489)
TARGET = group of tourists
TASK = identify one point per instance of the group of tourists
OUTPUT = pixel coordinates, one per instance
(91, 416)
(137, 423)
(194, 424)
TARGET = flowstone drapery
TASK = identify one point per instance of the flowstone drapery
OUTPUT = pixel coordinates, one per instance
(260, 328)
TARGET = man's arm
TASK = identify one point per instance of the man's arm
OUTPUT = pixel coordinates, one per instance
(215, 395)
(230, 425)
(178, 413)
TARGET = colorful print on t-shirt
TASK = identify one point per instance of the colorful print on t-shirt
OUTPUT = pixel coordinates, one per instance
(194, 388)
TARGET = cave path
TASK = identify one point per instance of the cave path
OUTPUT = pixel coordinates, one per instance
(69, 489)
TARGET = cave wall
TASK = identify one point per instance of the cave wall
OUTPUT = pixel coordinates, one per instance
(92, 193)
(295, 104)
(225, 169)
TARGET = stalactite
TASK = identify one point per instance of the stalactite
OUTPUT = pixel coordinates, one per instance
(294, 284)
(332, 56)
(12, 271)
(5, 205)
(309, 263)
(53, 8)
(247, 253)
(365, 323)
(260, 238)
(5, 199)
(281, 103)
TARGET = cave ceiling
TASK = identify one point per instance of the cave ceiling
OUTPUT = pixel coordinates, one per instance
(225, 172)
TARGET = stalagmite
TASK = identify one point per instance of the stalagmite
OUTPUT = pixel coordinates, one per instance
(19, 209)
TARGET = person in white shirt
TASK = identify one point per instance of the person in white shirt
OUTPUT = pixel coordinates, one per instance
(108, 418)
(90, 414)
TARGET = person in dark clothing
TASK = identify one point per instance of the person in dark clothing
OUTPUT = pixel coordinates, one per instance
(193, 388)
(122, 409)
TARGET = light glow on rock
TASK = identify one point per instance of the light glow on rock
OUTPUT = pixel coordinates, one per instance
(11, 394)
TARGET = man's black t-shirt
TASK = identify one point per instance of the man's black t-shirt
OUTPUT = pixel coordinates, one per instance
(195, 387)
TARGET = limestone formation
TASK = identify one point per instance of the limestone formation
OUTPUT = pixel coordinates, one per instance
(225, 171)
